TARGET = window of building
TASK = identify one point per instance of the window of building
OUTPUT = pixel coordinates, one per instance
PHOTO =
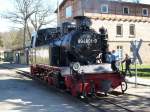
(145, 12)
(126, 10)
(132, 30)
(119, 30)
(69, 11)
(120, 52)
(104, 8)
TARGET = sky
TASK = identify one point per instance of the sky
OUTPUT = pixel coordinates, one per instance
(6, 5)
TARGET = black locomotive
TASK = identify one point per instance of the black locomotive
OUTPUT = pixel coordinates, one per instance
(66, 58)
(73, 43)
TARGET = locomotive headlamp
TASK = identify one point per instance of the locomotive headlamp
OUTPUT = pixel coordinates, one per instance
(76, 66)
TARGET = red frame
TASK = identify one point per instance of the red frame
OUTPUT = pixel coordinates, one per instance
(72, 84)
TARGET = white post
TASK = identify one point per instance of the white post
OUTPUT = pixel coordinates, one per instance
(136, 65)
(136, 73)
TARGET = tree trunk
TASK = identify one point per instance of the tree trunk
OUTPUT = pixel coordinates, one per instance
(29, 33)
(24, 33)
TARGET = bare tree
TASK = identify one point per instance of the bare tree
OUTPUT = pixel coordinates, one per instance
(42, 16)
(28, 12)
(40, 19)
(136, 1)
(1, 41)
(7, 40)
(17, 38)
(23, 9)
(12, 39)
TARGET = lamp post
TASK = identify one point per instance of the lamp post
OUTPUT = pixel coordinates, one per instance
(82, 7)
(58, 12)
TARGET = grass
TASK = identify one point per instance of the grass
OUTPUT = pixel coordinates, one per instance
(144, 77)
(142, 70)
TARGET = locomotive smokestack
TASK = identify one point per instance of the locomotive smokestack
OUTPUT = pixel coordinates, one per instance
(82, 21)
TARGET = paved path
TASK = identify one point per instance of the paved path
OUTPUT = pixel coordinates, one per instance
(141, 81)
(140, 90)
(20, 94)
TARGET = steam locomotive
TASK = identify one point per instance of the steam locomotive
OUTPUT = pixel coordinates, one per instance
(73, 58)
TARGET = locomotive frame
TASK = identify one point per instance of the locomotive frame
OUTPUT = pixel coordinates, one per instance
(68, 60)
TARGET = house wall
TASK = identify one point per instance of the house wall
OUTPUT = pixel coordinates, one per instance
(76, 10)
(94, 6)
(115, 16)
(141, 30)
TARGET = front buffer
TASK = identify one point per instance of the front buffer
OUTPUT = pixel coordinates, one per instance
(88, 83)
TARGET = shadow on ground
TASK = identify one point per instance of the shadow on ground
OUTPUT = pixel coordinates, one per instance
(12, 66)
(29, 96)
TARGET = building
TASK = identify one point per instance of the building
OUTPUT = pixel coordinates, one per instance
(124, 21)
(1, 54)
(20, 56)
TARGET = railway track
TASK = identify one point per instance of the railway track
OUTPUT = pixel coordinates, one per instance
(107, 105)
(114, 102)
(122, 103)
